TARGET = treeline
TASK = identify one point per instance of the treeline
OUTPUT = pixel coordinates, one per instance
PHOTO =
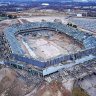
(9, 16)
(72, 25)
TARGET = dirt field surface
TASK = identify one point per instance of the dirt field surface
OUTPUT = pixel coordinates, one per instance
(46, 45)
(53, 89)
(11, 84)
(46, 18)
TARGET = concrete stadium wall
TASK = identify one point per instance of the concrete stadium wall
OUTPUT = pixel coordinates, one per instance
(23, 67)
(58, 60)
(28, 60)
(71, 56)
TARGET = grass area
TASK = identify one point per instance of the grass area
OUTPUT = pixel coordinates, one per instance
(77, 91)
(2, 18)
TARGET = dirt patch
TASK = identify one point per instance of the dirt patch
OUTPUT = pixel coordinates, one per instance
(55, 88)
(10, 85)
(77, 91)
(13, 83)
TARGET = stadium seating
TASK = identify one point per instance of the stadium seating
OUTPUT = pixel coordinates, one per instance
(86, 39)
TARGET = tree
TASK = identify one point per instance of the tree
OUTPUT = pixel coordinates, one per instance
(12, 16)
(70, 24)
(75, 26)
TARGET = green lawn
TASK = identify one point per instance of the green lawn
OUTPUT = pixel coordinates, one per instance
(77, 91)
(2, 18)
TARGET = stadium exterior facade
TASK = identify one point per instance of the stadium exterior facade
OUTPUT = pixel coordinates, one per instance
(86, 39)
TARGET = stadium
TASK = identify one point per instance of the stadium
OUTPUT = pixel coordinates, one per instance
(47, 44)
